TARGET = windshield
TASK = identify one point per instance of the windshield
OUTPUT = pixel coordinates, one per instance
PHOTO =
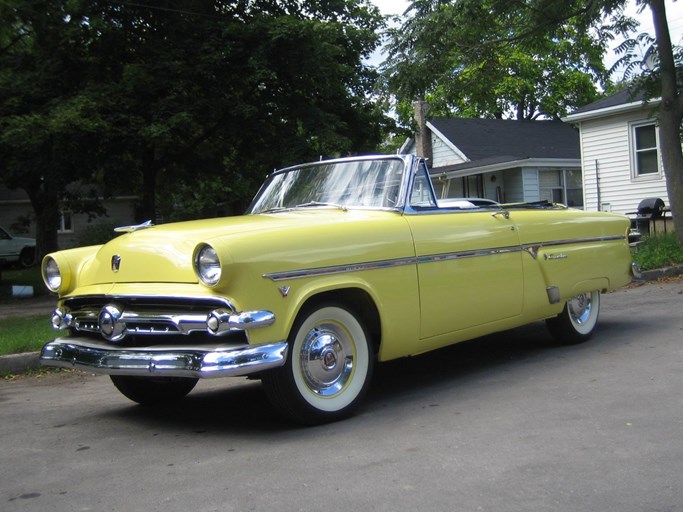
(360, 183)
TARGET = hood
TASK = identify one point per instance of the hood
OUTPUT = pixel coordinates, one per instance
(164, 253)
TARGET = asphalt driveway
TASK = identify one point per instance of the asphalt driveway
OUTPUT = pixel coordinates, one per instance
(507, 422)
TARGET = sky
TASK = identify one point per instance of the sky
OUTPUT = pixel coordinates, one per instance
(674, 11)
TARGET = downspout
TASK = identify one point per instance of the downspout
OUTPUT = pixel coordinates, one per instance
(597, 184)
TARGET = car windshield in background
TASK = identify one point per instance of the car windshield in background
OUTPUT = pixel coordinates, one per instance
(349, 184)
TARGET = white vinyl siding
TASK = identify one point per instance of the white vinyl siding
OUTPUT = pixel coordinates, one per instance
(521, 185)
(512, 184)
(605, 153)
(443, 155)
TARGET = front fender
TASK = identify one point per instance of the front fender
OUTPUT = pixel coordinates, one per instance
(71, 262)
(389, 289)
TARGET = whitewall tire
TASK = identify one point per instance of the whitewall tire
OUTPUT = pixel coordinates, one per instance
(328, 367)
(578, 319)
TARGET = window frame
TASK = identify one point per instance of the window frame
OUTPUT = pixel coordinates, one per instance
(65, 226)
(634, 151)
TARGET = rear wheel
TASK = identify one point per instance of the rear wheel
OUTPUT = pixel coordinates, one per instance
(328, 369)
(578, 319)
(153, 390)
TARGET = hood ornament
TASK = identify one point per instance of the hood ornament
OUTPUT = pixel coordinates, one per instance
(130, 229)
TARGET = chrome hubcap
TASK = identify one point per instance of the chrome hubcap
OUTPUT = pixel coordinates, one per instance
(326, 360)
(580, 308)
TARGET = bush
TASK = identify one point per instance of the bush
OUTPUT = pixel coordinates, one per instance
(98, 233)
(658, 252)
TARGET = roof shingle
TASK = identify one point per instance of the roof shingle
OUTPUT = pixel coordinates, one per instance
(481, 139)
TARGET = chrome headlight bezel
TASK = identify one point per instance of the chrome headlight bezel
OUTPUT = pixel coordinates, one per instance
(207, 265)
(52, 275)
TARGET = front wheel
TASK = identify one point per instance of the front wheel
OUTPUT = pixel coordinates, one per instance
(578, 319)
(328, 369)
(153, 390)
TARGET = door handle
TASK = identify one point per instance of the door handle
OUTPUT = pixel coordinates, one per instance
(504, 213)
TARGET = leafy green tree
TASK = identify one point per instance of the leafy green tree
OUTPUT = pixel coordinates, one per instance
(163, 97)
(478, 59)
(49, 125)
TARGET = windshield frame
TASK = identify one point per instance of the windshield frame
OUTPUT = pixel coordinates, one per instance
(406, 162)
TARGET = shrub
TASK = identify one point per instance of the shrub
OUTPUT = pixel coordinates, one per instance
(658, 252)
(98, 233)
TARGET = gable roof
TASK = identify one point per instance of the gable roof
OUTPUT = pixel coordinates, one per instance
(508, 140)
(618, 103)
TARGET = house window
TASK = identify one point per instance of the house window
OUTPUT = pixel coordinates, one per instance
(573, 182)
(467, 186)
(644, 150)
(562, 186)
(65, 224)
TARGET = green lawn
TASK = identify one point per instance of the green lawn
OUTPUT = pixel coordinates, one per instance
(22, 277)
(24, 334)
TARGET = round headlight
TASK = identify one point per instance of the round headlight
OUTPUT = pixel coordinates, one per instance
(51, 275)
(207, 265)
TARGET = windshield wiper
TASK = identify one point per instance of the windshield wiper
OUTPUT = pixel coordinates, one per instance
(275, 209)
(319, 203)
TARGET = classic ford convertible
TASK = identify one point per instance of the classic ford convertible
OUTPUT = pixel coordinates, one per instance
(336, 265)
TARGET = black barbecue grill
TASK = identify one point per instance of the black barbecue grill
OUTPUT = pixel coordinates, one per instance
(649, 211)
(651, 208)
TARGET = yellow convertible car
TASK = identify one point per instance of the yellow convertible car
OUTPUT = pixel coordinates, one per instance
(335, 266)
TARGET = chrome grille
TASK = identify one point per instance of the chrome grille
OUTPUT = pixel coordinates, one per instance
(153, 316)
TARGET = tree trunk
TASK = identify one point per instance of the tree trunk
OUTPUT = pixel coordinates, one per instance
(149, 187)
(46, 208)
(670, 145)
(670, 117)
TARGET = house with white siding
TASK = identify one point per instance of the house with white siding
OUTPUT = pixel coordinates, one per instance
(619, 152)
(504, 160)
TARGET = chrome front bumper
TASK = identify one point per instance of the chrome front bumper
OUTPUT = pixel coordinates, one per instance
(197, 361)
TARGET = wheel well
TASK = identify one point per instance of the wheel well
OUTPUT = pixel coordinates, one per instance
(360, 303)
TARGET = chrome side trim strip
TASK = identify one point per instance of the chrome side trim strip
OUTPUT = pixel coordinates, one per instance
(532, 249)
(468, 254)
(339, 269)
(202, 362)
